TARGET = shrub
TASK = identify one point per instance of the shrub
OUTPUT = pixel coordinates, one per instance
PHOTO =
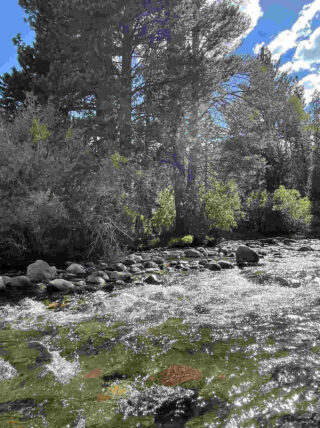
(256, 207)
(154, 242)
(165, 216)
(290, 202)
(188, 239)
(222, 203)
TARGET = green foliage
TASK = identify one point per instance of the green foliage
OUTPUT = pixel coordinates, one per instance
(174, 242)
(166, 213)
(117, 160)
(222, 203)
(134, 216)
(38, 131)
(209, 238)
(69, 134)
(258, 199)
(188, 239)
(298, 107)
(264, 69)
(154, 242)
(291, 202)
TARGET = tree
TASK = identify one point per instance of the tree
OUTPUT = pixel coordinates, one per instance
(315, 174)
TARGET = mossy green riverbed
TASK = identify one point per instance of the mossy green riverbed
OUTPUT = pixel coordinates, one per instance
(97, 361)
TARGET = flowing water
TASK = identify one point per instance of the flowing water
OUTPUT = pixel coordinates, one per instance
(243, 347)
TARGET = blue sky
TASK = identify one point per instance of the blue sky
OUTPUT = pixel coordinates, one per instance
(289, 28)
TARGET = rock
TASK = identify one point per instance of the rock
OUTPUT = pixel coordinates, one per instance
(2, 284)
(60, 285)
(128, 262)
(19, 281)
(305, 248)
(192, 253)
(76, 269)
(122, 276)
(94, 279)
(224, 264)
(134, 258)
(270, 241)
(288, 241)
(6, 279)
(150, 264)
(212, 266)
(246, 254)
(40, 270)
(152, 279)
(120, 267)
(135, 270)
(202, 250)
(159, 260)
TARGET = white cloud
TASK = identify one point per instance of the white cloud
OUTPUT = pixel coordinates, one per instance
(289, 39)
(258, 47)
(309, 50)
(253, 9)
(295, 66)
(310, 83)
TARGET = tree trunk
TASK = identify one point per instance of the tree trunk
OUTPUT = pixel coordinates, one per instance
(125, 128)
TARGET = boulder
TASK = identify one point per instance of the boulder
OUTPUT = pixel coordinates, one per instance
(19, 281)
(40, 270)
(60, 284)
(224, 264)
(305, 248)
(94, 279)
(246, 254)
(192, 253)
(152, 279)
(2, 284)
(150, 264)
(129, 262)
(76, 269)
(212, 266)
(123, 276)
(159, 260)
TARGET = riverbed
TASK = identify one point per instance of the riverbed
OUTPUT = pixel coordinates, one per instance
(232, 348)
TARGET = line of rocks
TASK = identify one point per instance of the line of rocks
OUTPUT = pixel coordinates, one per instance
(42, 278)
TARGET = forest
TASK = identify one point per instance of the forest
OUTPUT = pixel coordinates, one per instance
(133, 125)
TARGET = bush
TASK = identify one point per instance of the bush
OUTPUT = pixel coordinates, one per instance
(188, 239)
(53, 193)
(289, 201)
(165, 216)
(222, 204)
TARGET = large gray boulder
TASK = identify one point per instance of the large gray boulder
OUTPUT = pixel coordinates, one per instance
(18, 281)
(246, 254)
(76, 269)
(192, 253)
(40, 270)
(2, 284)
